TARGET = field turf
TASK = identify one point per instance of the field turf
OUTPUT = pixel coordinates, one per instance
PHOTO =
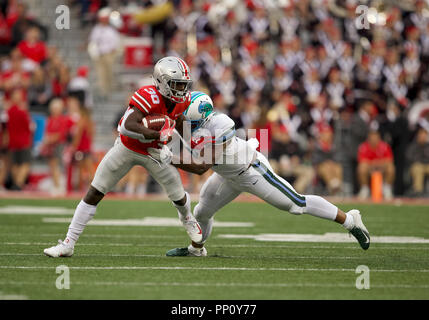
(129, 262)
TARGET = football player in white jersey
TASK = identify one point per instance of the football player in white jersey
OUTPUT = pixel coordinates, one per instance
(238, 167)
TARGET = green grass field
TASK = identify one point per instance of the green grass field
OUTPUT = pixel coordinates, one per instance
(129, 262)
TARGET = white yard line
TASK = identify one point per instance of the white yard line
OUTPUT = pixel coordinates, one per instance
(149, 222)
(230, 284)
(211, 268)
(423, 246)
(6, 296)
(163, 256)
(118, 236)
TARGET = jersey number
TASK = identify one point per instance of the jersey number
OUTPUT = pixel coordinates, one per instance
(153, 95)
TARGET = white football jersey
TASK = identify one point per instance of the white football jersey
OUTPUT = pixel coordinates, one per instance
(238, 153)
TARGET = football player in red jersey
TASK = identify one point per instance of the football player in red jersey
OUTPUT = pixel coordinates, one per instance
(139, 145)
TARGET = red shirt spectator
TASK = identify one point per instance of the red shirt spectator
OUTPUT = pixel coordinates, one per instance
(36, 52)
(381, 151)
(32, 48)
(85, 143)
(5, 32)
(19, 128)
(58, 125)
(14, 79)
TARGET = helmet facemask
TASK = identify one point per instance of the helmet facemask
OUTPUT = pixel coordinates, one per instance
(179, 89)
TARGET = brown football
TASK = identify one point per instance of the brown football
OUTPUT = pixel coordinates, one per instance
(154, 121)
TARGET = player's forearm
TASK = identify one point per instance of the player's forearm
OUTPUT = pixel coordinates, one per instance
(137, 130)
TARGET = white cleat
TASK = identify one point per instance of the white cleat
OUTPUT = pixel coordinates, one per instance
(60, 250)
(192, 227)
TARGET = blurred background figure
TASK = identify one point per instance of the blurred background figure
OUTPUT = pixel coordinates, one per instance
(81, 146)
(53, 144)
(375, 155)
(20, 127)
(32, 47)
(287, 158)
(4, 141)
(327, 160)
(80, 87)
(418, 156)
(104, 46)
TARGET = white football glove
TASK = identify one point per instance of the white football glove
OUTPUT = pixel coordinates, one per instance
(165, 155)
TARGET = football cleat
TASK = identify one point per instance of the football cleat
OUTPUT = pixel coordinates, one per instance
(187, 252)
(60, 250)
(192, 227)
(359, 231)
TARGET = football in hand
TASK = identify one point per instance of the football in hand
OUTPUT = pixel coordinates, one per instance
(156, 121)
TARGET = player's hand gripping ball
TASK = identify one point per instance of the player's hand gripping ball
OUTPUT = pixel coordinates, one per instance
(161, 123)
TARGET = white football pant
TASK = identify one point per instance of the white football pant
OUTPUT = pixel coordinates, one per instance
(261, 181)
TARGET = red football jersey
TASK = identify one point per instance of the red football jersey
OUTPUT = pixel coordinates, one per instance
(150, 101)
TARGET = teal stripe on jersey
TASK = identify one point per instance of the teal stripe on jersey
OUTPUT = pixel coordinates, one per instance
(275, 182)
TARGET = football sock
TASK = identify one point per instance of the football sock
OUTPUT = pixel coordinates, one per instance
(206, 225)
(319, 207)
(349, 223)
(185, 210)
(84, 212)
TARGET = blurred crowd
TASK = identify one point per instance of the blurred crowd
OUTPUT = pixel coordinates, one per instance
(333, 94)
(35, 80)
(332, 87)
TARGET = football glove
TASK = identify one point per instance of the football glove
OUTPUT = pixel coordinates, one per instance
(166, 131)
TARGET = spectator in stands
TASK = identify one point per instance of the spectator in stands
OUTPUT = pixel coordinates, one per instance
(359, 128)
(20, 21)
(40, 90)
(53, 143)
(375, 155)
(104, 44)
(336, 90)
(79, 86)
(20, 129)
(418, 156)
(32, 47)
(4, 159)
(286, 157)
(81, 145)
(326, 158)
(5, 35)
(14, 77)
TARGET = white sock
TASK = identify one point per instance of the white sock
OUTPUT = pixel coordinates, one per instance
(319, 207)
(349, 223)
(185, 210)
(205, 220)
(192, 249)
(84, 212)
